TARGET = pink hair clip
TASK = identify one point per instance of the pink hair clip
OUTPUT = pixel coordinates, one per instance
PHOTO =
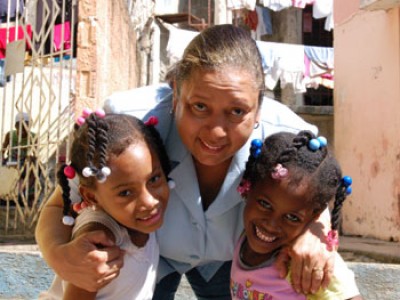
(100, 113)
(86, 112)
(332, 240)
(279, 172)
(152, 121)
(77, 207)
(244, 187)
(80, 121)
(69, 172)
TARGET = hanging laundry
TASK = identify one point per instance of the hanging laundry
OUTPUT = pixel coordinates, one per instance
(319, 63)
(284, 62)
(14, 34)
(276, 5)
(302, 3)
(251, 19)
(324, 9)
(264, 25)
(239, 4)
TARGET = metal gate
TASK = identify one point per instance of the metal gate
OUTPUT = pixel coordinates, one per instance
(37, 88)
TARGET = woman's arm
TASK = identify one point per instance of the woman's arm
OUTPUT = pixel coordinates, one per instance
(80, 261)
(309, 258)
(73, 292)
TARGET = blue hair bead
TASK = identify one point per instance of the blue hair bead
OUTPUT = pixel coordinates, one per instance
(323, 141)
(256, 143)
(349, 190)
(314, 144)
(255, 148)
(347, 181)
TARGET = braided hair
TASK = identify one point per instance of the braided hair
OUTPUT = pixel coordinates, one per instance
(101, 138)
(317, 167)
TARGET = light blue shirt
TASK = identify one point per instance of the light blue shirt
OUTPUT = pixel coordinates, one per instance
(191, 237)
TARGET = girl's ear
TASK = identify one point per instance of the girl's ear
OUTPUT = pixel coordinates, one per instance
(88, 195)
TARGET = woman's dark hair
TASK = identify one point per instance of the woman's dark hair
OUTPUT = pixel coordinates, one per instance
(99, 139)
(318, 167)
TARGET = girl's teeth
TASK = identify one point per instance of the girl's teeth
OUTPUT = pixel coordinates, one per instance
(263, 237)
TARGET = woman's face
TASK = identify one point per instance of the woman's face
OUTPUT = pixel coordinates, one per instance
(216, 113)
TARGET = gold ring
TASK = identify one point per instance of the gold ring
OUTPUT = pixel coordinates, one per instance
(319, 273)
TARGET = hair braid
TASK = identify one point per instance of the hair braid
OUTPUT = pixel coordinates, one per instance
(340, 197)
(91, 140)
(63, 182)
(102, 142)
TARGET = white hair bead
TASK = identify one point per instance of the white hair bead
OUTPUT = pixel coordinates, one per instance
(106, 171)
(171, 184)
(68, 220)
(87, 172)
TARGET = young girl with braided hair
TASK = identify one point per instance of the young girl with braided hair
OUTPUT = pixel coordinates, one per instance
(288, 181)
(122, 166)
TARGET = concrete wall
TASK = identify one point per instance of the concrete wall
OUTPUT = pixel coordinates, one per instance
(106, 57)
(367, 116)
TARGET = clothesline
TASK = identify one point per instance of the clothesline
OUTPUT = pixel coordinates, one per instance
(298, 65)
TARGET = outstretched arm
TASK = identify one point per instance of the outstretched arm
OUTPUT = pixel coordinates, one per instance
(79, 261)
(311, 262)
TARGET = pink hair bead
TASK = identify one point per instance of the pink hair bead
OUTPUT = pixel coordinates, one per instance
(80, 121)
(100, 113)
(152, 121)
(69, 172)
(86, 112)
(76, 207)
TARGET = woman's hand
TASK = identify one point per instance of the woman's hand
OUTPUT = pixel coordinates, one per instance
(311, 263)
(90, 261)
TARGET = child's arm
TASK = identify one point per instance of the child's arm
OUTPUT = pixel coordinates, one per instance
(72, 292)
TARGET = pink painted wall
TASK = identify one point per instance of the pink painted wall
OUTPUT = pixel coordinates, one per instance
(367, 116)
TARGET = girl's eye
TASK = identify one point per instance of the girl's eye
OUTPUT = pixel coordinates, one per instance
(264, 204)
(125, 193)
(293, 218)
(155, 179)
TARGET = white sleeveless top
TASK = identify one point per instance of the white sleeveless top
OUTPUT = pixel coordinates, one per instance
(137, 278)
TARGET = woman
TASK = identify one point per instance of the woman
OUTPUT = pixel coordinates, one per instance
(206, 123)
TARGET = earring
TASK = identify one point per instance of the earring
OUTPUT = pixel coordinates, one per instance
(256, 125)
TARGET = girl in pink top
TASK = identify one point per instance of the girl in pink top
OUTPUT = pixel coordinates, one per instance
(289, 180)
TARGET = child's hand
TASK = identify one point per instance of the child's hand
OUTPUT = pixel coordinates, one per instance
(87, 266)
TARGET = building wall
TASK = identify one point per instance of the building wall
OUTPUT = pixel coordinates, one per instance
(367, 116)
(106, 57)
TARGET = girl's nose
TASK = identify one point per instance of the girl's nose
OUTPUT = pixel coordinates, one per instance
(272, 224)
(147, 201)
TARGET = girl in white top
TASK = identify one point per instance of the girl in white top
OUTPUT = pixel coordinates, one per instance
(122, 166)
